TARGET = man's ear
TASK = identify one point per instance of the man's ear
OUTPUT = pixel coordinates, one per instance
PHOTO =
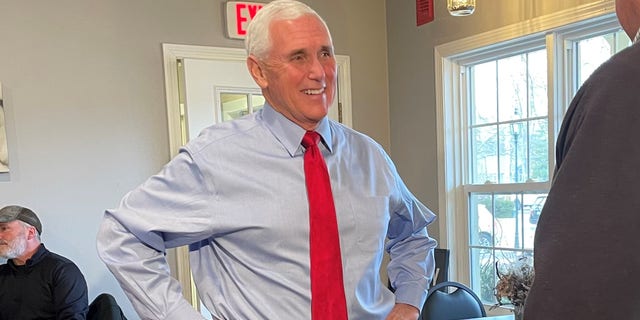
(31, 233)
(257, 71)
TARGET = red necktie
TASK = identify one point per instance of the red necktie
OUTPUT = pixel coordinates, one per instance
(327, 289)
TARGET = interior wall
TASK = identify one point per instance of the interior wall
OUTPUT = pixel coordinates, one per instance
(412, 77)
(85, 111)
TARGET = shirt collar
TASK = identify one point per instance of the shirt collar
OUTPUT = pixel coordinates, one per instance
(290, 134)
(637, 37)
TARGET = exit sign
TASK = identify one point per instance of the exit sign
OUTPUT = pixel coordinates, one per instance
(239, 14)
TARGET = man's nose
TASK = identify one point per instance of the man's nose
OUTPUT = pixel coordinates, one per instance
(316, 70)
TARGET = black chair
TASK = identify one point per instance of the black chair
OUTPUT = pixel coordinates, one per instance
(105, 307)
(441, 274)
(459, 304)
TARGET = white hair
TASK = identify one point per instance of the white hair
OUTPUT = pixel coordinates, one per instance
(258, 41)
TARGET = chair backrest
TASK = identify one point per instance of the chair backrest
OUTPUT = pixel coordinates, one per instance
(459, 304)
(441, 257)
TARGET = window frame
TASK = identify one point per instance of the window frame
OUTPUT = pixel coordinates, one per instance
(557, 32)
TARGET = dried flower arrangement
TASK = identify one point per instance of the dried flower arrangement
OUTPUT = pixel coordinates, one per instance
(514, 283)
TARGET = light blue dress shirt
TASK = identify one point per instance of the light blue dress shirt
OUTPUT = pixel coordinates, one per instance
(236, 194)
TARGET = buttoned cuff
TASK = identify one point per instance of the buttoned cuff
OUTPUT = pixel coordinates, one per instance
(412, 294)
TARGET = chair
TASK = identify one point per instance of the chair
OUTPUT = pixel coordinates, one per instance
(441, 274)
(105, 307)
(459, 304)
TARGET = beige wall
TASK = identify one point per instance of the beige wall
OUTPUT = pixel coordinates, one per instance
(412, 83)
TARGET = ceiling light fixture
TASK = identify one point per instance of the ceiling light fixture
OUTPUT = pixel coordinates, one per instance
(461, 8)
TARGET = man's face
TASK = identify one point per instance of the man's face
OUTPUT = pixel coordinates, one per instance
(298, 77)
(13, 239)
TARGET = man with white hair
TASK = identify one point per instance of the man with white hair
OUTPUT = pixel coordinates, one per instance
(249, 196)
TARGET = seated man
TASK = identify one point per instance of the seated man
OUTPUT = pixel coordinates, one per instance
(36, 283)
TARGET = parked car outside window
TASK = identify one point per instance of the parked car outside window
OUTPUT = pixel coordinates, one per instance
(536, 208)
(488, 226)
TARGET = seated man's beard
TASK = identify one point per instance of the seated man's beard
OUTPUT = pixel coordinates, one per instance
(16, 247)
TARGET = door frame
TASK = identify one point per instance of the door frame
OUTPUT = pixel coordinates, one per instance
(178, 258)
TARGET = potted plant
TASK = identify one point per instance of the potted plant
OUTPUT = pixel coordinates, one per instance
(513, 285)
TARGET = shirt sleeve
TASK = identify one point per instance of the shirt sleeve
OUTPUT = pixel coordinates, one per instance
(70, 293)
(168, 210)
(410, 247)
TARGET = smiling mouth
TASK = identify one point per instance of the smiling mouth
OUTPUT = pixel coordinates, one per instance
(313, 91)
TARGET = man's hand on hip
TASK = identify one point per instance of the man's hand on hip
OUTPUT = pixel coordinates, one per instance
(403, 311)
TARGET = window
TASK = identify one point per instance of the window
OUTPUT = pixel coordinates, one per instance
(500, 107)
(238, 102)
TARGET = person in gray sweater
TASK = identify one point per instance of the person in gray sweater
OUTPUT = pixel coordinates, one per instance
(586, 244)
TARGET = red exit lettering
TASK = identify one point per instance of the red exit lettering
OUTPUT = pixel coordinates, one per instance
(244, 13)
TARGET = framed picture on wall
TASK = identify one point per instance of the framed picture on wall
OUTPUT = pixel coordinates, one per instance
(4, 151)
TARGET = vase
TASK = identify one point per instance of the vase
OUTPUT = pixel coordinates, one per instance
(518, 312)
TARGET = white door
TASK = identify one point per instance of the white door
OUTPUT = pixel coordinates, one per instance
(207, 86)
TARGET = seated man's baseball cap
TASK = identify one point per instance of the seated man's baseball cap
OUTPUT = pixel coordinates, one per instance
(11, 213)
